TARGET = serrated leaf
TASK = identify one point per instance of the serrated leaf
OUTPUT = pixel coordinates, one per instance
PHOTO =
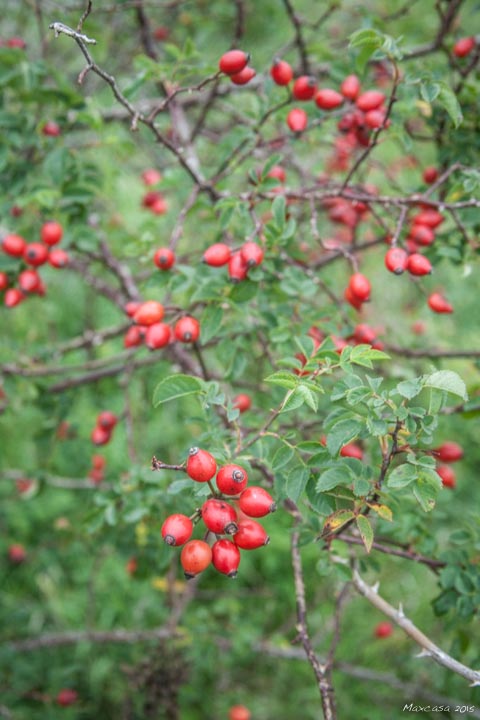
(282, 379)
(338, 475)
(282, 457)
(364, 355)
(296, 482)
(382, 511)
(402, 476)
(292, 401)
(309, 397)
(429, 91)
(448, 100)
(366, 531)
(448, 381)
(426, 494)
(341, 434)
(409, 388)
(177, 386)
(335, 521)
(212, 318)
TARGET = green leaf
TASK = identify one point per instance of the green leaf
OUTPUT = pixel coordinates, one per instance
(429, 91)
(278, 211)
(448, 381)
(296, 482)
(402, 476)
(282, 457)
(283, 379)
(364, 354)
(338, 475)
(448, 100)
(335, 521)
(308, 396)
(212, 318)
(366, 531)
(382, 511)
(409, 388)
(342, 433)
(177, 386)
(425, 493)
(292, 401)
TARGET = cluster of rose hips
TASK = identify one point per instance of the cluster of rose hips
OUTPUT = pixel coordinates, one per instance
(102, 432)
(448, 452)
(234, 63)
(149, 328)
(239, 262)
(31, 256)
(153, 200)
(229, 512)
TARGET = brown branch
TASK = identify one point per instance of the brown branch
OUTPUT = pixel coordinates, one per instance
(446, 22)
(299, 39)
(431, 352)
(50, 640)
(388, 550)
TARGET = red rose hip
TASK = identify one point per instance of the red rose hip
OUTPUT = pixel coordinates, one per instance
(201, 466)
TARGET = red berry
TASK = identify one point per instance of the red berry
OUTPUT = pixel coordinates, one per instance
(352, 299)
(396, 260)
(17, 554)
(201, 466)
(242, 402)
(239, 712)
(252, 254)
(304, 88)
(161, 33)
(226, 557)
(51, 232)
(418, 264)
(352, 450)
(297, 120)
(159, 206)
(13, 297)
(363, 333)
(449, 452)
(98, 462)
(237, 268)
(134, 336)
(232, 479)
(51, 129)
(158, 335)
(16, 42)
(29, 280)
(430, 175)
(350, 87)
(422, 234)
(67, 697)
(131, 566)
(281, 72)
(195, 557)
(149, 312)
(24, 485)
(256, 502)
(438, 304)
(177, 529)
(244, 76)
(151, 177)
(328, 99)
(250, 535)
(14, 245)
(187, 329)
(370, 100)
(449, 479)
(360, 286)
(374, 119)
(131, 308)
(464, 46)
(3, 281)
(278, 173)
(150, 198)
(35, 254)
(164, 258)
(383, 630)
(107, 420)
(217, 255)
(233, 62)
(431, 218)
(58, 258)
(219, 517)
(100, 435)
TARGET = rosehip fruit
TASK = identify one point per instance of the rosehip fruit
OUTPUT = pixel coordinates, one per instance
(158, 336)
(51, 232)
(439, 304)
(252, 254)
(149, 312)
(232, 479)
(350, 87)
(352, 450)
(51, 129)
(281, 72)
(278, 173)
(177, 529)
(370, 100)
(430, 175)
(431, 218)
(244, 76)
(256, 502)
(239, 712)
(187, 329)
(304, 88)
(164, 258)
(16, 42)
(463, 47)
(449, 479)
(3, 281)
(242, 402)
(29, 280)
(250, 535)
(195, 557)
(396, 260)
(328, 99)
(100, 435)
(352, 299)
(418, 264)
(107, 420)
(35, 254)
(422, 234)
(297, 120)
(449, 452)
(219, 517)
(201, 466)
(237, 268)
(14, 245)
(226, 557)
(13, 297)
(383, 630)
(233, 62)
(360, 286)
(58, 258)
(134, 336)
(98, 462)
(363, 333)
(217, 255)
(151, 176)
(17, 554)
(67, 697)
